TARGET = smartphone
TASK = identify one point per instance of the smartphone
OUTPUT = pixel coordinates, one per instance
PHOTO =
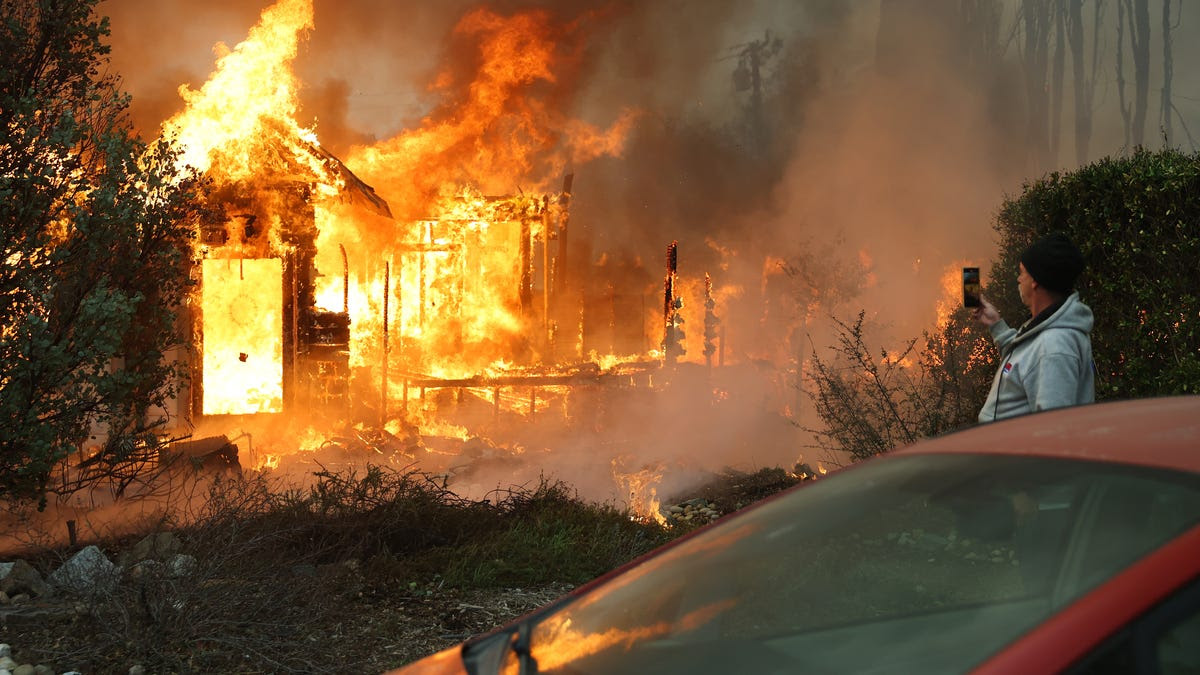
(971, 288)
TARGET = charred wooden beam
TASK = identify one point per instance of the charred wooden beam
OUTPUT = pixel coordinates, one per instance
(672, 332)
(564, 203)
(481, 382)
(383, 398)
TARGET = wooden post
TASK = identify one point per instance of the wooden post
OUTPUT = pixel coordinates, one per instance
(421, 253)
(383, 396)
(721, 349)
(526, 255)
(564, 202)
(295, 330)
(345, 281)
(670, 336)
(546, 274)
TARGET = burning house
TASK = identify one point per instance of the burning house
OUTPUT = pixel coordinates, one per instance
(455, 299)
(426, 286)
(266, 347)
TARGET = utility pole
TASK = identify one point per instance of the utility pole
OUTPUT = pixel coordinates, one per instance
(752, 59)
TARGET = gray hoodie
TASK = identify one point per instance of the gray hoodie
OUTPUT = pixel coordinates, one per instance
(1047, 366)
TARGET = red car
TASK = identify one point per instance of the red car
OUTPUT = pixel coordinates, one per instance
(1066, 541)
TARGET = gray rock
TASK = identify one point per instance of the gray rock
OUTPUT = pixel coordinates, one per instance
(930, 541)
(146, 569)
(157, 546)
(137, 670)
(21, 577)
(181, 565)
(6, 663)
(24, 669)
(88, 572)
(5, 651)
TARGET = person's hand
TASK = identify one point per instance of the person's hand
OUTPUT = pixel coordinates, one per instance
(986, 313)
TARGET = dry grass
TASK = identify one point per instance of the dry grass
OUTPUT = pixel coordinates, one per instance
(359, 573)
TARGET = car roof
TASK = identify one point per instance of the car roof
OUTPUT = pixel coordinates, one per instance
(1157, 432)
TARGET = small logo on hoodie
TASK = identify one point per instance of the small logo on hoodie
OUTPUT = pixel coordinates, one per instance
(1008, 367)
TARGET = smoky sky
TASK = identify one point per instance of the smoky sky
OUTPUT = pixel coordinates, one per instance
(868, 160)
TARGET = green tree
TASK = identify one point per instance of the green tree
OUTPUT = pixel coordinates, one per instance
(1135, 220)
(94, 229)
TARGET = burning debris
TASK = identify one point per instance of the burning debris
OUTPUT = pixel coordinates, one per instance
(211, 455)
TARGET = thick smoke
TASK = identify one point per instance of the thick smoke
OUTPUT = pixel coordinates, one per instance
(815, 158)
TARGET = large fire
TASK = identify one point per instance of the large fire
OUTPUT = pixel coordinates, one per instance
(446, 289)
(433, 266)
(436, 259)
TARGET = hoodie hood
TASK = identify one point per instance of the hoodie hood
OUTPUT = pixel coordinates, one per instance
(1073, 315)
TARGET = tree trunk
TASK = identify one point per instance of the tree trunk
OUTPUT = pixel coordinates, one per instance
(1122, 8)
(1083, 87)
(1056, 78)
(1140, 41)
(1036, 19)
(1168, 73)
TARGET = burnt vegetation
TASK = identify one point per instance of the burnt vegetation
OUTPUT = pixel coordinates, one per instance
(359, 572)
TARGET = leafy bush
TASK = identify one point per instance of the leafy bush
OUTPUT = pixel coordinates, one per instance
(1137, 221)
(96, 237)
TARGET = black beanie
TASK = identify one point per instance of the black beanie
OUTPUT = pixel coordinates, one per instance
(1054, 262)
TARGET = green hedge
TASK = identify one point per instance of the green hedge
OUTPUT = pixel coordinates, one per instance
(1137, 220)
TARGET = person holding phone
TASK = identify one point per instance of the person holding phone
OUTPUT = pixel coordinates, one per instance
(1046, 362)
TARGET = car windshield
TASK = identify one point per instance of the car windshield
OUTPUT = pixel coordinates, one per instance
(912, 563)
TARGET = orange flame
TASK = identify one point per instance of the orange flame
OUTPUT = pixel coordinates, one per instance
(242, 120)
(492, 131)
(952, 292)
(642, 489)
(457, 292)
